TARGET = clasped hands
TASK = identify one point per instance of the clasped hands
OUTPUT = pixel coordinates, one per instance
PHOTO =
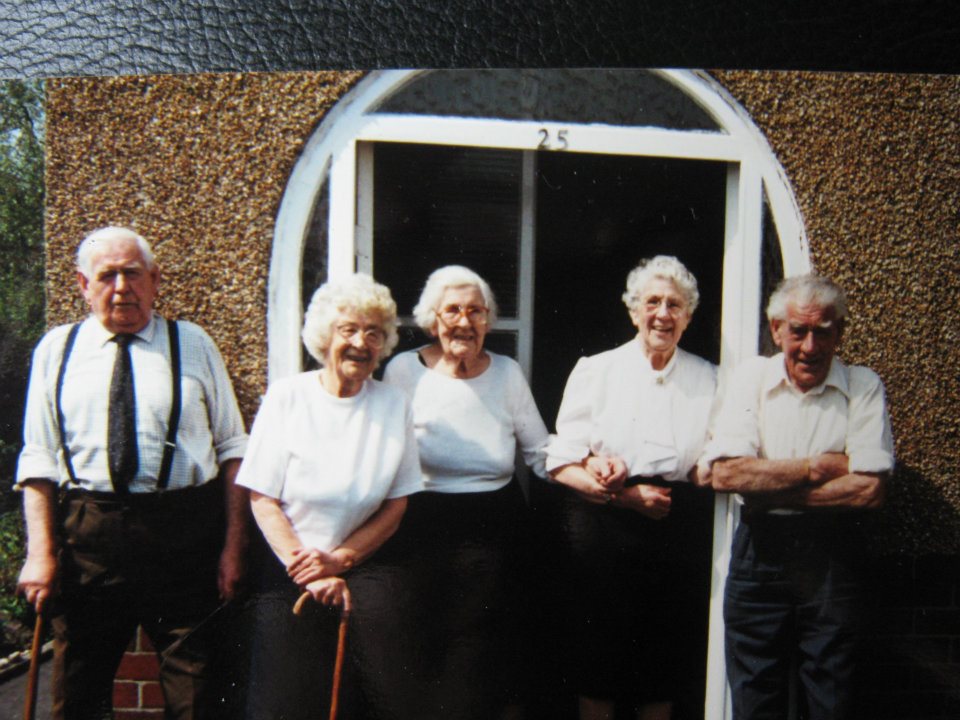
(608, 474)
(317, 572)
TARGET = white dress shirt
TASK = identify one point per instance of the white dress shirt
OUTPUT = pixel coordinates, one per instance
(330, 461)
(763, 415)
(468, 430)
(210, 432)
(615, 403)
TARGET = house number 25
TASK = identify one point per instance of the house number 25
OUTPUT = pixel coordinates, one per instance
(552, 142)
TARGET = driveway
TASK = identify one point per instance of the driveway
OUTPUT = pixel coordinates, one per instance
(13, 692)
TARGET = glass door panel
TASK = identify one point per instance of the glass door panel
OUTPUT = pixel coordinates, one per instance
(441, 205)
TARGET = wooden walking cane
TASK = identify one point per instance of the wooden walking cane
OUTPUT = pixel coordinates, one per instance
(30, 704)
(341, 645)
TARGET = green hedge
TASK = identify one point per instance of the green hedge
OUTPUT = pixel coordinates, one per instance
(15, 615)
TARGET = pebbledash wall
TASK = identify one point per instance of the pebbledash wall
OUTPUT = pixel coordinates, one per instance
(198, 164)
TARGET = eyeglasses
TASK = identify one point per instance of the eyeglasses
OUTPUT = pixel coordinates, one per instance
(372, 337)
(652, 303)
(451, 314)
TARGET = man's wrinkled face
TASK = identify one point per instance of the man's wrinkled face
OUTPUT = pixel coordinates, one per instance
(809, 338)
(120, 289)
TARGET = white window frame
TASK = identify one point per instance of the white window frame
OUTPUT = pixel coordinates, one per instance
(339, 151)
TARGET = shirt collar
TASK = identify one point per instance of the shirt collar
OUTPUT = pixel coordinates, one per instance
(103, 336)
(776, 375)
(646, 369)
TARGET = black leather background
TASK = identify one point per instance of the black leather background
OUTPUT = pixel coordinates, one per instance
(74, 37)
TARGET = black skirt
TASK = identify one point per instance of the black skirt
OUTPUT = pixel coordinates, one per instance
(637, 611)
(444, 587)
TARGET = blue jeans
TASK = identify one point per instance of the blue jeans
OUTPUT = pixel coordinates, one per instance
(793, 593)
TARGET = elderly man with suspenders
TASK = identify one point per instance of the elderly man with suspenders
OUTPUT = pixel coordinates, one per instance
(134, 419)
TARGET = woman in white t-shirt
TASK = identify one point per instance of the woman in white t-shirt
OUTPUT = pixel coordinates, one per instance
(331, 460)
(472, 410)
(631, 427)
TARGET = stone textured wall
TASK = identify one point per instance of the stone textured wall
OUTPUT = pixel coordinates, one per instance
(875, 164)
(198, 165)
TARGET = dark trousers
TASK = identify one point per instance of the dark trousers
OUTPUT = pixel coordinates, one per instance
(455, 596)
(290, 659)
(149, 561)
(291, 656)
(793, 596)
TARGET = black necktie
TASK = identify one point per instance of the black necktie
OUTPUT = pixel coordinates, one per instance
(122, 419)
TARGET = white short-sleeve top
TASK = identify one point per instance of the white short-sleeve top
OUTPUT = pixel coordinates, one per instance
(468, 430)
(615, 403)
(331, 461)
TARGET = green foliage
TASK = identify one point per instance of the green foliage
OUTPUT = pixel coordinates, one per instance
(21, 317)
(11, 560)
(16, 616)
(21, 206)
(21, 258)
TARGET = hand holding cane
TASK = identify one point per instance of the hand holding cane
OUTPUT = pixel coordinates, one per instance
(341, 644)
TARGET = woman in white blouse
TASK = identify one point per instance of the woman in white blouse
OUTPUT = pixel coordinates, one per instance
(630, 429)
(330, 463)
(472, 409)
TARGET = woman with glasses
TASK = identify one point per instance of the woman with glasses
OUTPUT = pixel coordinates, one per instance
(631, 426)
(472, 409)
(331, 460)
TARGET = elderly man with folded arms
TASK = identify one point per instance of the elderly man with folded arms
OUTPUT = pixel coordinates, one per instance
(135, 420)
(805, 442)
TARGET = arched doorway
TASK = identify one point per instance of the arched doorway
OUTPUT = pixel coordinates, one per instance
(552, 184)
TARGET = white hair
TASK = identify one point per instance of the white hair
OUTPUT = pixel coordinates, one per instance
(107, 236)
(357, 293)
(665, 267)
(442, 279)
(804, 290)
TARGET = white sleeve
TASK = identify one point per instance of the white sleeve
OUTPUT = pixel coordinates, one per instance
(735, 425)
(41, 434)
(226, 423)
(571, 444)
(409, 477)
(396, 374)
(528, 425)
(869, 438)
(264, 465)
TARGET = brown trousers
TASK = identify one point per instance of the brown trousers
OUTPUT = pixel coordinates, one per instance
(148, 560)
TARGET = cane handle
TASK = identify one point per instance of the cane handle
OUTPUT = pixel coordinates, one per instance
(298, 605)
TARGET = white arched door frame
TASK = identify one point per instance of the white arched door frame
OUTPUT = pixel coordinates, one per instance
(337, 151)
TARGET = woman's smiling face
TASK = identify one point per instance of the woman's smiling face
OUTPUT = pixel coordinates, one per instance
(355, 342)
(661, 316)
(462, 340)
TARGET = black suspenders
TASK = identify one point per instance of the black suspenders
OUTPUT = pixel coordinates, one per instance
(175, 405)
(171, 443)
(61, 426)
